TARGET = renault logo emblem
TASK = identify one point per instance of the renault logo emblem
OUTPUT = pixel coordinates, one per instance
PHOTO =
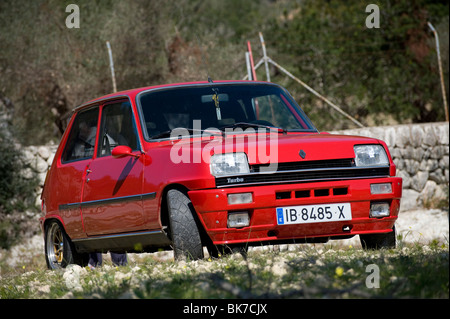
(302, 154)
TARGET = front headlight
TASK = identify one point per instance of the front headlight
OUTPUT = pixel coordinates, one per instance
(370, 155)
(229, 164)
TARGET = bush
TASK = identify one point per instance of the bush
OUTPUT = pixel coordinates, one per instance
(17, 192)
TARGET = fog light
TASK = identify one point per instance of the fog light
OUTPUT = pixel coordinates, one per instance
(379, 210)
(384, 188)
(238, 219)
(240, 198)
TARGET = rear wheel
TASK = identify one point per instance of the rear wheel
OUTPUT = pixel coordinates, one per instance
(59, 250)
(378, 241)
(184, 230)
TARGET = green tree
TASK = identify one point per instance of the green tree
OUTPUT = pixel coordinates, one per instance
(370, 73)
(47, 69)
(17, 192)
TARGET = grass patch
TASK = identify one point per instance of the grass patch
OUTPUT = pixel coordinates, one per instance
(302, 271)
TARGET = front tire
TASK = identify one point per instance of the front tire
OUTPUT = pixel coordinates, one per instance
(379, 241)
(59, 250)
(184, 230)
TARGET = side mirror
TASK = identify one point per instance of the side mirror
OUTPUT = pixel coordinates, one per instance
(122, 151)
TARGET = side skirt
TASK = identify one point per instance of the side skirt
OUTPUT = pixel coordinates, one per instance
(149, 241)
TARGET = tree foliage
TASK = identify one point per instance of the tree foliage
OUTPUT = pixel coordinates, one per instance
(373, 74)
(17, 191)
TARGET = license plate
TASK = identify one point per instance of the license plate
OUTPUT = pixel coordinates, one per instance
(313, 213)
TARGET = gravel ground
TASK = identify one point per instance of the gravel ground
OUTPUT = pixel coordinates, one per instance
(415, 226)
(424, 225)
(418, 226)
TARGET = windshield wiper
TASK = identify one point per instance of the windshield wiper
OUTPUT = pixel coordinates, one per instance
(182, 129)
(254, 125)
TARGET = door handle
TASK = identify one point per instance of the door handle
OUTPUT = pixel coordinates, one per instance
(87, 173)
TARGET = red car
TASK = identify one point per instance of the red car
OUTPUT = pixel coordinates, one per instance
(224, 165)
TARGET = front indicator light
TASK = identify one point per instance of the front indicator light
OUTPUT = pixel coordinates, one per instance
(240, 198)
(378, 210)
(238, 220)
(382, 188)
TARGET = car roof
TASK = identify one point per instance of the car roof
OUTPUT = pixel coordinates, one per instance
(133, 92)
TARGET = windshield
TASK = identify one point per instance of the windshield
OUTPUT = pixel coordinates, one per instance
(218, 107)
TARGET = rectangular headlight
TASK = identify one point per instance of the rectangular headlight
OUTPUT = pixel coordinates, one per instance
(229, 164)
(370, 155)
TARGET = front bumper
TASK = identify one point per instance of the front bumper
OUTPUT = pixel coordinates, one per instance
(212, 208)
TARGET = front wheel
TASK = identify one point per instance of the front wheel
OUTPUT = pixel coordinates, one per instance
(59, 251)
(184, 231)
(378, 241)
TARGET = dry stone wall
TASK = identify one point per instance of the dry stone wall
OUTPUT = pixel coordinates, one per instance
(420, 152)
(39, 159)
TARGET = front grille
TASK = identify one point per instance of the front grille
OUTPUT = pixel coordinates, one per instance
(306, 193)
(339, 163)
(304, 172)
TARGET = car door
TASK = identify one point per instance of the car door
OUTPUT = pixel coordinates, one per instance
(112, 194)
(71, 169)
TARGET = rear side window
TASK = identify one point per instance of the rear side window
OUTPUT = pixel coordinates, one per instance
(81, 141)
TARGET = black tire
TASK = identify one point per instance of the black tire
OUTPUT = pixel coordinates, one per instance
(59, 250)
(379, 241)
(184, 230)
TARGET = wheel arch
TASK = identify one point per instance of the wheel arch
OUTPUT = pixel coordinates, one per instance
(52, 218)
(164, 214)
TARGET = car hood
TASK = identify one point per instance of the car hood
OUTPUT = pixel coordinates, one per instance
(273, 147)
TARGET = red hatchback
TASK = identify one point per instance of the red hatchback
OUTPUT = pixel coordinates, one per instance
(223, 165)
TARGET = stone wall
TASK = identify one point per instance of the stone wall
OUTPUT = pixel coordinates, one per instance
(421, 154)
(39, 159)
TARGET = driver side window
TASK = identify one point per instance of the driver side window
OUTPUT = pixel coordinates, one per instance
(117, 128)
